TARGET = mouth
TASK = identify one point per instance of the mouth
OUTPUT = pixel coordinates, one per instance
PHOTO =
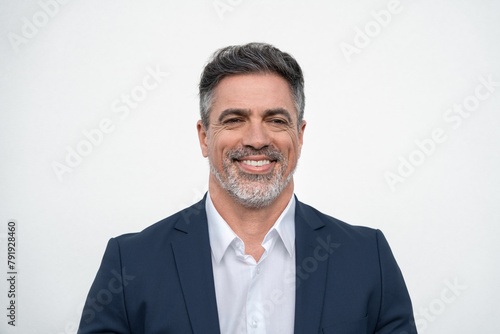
(258, 165)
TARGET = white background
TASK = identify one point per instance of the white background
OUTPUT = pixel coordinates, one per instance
(364, 111)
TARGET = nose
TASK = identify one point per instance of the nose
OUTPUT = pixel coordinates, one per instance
(256, 135)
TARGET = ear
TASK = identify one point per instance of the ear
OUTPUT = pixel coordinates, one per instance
(203, 138)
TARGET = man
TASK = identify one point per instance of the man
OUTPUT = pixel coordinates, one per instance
(249, 257)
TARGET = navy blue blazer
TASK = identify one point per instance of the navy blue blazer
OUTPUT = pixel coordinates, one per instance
(160, 281)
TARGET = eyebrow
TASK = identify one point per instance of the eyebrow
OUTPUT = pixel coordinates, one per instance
(246, 112)
(233, 111)
(278, 111)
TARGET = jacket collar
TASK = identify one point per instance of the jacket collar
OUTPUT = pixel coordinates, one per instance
(221, 235)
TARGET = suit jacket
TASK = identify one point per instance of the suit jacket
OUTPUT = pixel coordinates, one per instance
(160, 281)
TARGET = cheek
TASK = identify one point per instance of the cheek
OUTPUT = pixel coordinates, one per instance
(290, 144)
(222, 142)
(216, 150)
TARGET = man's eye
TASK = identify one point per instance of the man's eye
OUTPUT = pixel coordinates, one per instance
(278, 121)
(232, 121)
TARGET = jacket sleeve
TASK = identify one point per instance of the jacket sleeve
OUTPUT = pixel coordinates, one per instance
(396, 314)
(104, 310)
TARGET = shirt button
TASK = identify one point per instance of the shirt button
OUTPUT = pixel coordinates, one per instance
(254, 324)
(258, 270)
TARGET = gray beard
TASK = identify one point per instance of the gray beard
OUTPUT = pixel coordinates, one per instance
(252, 190)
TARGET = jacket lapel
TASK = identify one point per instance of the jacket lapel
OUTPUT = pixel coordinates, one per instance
(193, 260)
(312, 253)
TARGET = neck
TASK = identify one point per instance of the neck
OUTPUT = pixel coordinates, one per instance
(250, 224)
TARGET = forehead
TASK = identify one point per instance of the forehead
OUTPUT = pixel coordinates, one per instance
(255, 92)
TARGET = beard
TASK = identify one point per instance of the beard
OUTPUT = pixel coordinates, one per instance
(253, 190)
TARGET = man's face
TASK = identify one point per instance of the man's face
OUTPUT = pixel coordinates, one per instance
(253, 142)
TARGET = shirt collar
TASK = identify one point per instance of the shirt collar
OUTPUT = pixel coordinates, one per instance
(221, 235)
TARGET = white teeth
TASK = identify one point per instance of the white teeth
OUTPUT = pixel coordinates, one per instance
(256, 163)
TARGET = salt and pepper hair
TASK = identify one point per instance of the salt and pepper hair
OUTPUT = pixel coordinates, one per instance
(252, 58)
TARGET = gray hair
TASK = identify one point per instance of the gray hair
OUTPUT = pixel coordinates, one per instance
(248, 59)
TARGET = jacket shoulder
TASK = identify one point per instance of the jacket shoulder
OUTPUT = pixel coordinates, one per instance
(337, 227)
(166, 229)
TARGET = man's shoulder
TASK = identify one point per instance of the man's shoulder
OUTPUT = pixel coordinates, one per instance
(329, 224)
(166, 229)
(191, 220)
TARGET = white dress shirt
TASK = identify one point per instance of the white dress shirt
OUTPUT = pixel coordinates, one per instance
(254, 297)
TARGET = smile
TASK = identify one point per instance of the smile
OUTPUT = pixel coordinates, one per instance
(256, 163)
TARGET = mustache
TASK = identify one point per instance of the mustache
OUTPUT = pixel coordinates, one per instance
(269, 151)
